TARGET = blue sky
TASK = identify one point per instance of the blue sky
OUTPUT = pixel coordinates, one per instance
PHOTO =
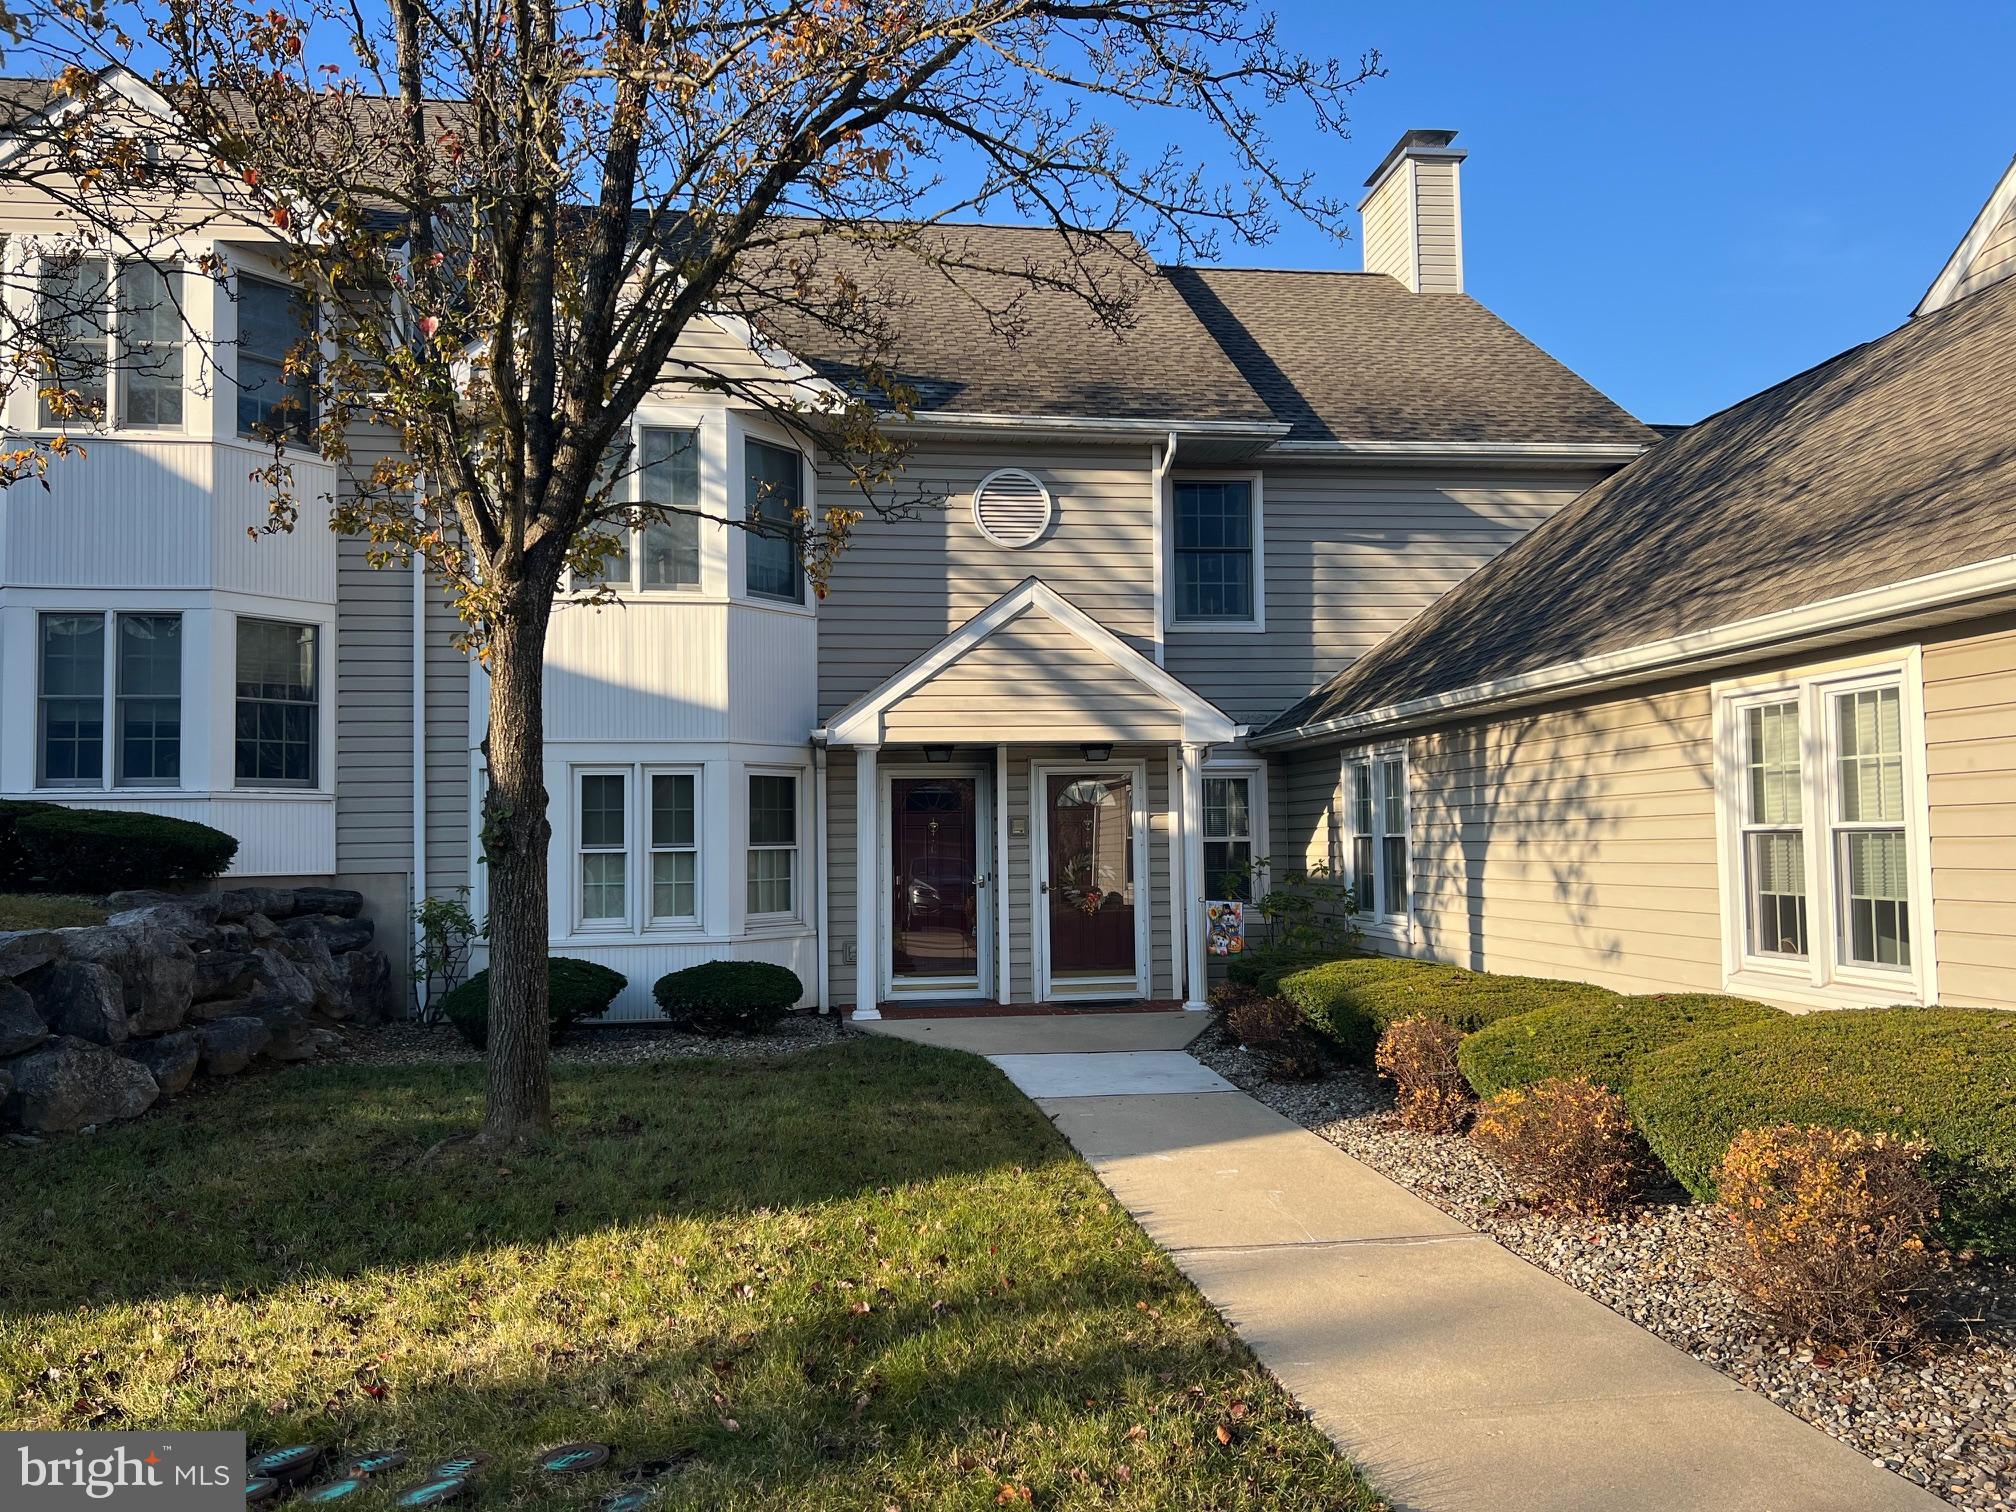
(1685, 203)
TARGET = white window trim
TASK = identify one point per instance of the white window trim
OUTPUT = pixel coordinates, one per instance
(583, 925)
(323, 745)
(1254, 770)
(741, 431)
(794, 918)
(23, 263)
(1822, 980)
(657, 923)
(108, 756)
(1257, 625)
(264, 272)
(659, 418)
(1396, 929)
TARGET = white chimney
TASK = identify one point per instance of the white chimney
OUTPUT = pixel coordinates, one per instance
(1414, 214)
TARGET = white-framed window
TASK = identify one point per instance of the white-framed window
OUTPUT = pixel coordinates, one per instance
(1375, 821)
(773, 844)
(660, 552)
(275, 360)
(673, 841)
(1820, 787)
(99, 672)
(602, 847)
(277, 728)
(1234, 814)
(103, 326)
(1216, 572)
(774, 494)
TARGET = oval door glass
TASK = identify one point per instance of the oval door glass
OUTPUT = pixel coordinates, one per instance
(1091, 881)
(935, 867)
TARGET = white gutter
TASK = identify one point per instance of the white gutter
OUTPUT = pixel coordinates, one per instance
(1161, 491)
(418, 888)
(819, 879)
(1870, 608)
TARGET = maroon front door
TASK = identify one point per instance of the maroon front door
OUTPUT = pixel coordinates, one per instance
(934, 870)
(1090, 885)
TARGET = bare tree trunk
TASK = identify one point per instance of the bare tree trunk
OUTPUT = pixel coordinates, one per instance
(515, 837)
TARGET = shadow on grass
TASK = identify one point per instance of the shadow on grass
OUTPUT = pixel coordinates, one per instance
(321, 1171)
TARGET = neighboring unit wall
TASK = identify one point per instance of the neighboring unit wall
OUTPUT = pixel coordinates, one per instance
(1970, 762)
(1349, 556)
(1995, 261)
(903, 584)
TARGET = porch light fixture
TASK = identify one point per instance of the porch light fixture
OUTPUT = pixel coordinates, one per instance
(937, 753)
(1096, 752)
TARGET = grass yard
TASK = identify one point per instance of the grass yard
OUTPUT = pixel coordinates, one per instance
(48, 911)
(870, 1277)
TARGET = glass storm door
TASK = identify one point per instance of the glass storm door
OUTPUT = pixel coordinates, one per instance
(1089, 881)
(934, 870)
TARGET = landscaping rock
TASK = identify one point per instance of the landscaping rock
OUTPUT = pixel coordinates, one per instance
(149, 906)
(278, 982)
(261, 928)
(289, 1037)
(328, 982)
(69, 1084)
(223, 974)
(328, 900)
(229, 1044)
(21, 1027)
(169, 1058)
(370, 985)
(6, 1086)
(159, 980)
(273, 902)
(25, 950)
(83, 999)
(336, 933)
(98, 943)
(220, 1008)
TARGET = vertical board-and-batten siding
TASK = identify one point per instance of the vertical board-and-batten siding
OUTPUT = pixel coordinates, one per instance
(1349, 557)
(1995, 261)
(1970, 763)
(905, 583)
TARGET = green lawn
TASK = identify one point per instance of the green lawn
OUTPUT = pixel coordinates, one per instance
(862, 1278)
(47, 911)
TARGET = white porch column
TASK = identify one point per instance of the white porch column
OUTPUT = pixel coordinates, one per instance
(867, 887)
(1193, 876)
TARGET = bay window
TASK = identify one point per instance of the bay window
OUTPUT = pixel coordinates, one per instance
(150, 347)
(76, 317)
(675, 847)
(148, 722)
(135, 692)
(601, 840)
(775, 494)
(660, 553)
(1375, 789)
(773, 844)
(72, 698)
(276, 360)
(277, 729)
(1826, 837)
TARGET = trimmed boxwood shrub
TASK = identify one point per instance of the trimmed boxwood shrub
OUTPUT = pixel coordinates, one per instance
(1599, 1039)
(1263, 969)
(728, 997)
(1946, 1076)
(1355, 1001)
(575, 990)
(81, 850)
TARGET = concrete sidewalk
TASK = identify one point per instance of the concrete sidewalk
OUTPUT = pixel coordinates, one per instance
(1457, 1375)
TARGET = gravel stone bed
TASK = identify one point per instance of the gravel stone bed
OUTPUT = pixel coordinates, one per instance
(1944, 1419)
(407, 1043)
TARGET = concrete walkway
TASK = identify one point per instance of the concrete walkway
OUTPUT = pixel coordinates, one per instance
(1457, 1375)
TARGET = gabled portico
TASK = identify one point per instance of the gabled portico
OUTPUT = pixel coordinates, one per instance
(1026, 815)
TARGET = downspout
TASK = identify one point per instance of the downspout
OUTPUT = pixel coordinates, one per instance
(819, 878)
(417, 889)
(1159, 537)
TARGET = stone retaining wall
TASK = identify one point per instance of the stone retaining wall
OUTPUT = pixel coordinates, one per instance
(98, 1023)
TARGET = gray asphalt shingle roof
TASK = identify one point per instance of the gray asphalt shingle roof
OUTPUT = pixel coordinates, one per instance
(1894, 460)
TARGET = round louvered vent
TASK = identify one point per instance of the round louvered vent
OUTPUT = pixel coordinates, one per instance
(1011, 507)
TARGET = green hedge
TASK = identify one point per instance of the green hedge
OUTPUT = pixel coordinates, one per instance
(728, 997)
(14, 873)
(1601, 1039)
(1353, 1001)
(1263, 969)
(83, 850)
(574, 990)
(1944, 1075)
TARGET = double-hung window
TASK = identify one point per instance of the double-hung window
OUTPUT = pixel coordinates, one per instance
(75, 320)
(1817, 780)
(97, 328)
(1216, 582)
(675, 847)
(1375, 792)
(278, 713)
(276, 361)
(150, 347)
(139, 698)
(1228, 837)
(660, 552)
(602, 841)
(774, 479)
(773, 844)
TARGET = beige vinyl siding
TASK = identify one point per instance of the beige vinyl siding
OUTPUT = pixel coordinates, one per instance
(1349, 557)
(904, 584)
(1032, 679)
(840, 876)
(1573, 842)
(1389, 229)
(1970, 763)
(1995, 261)
(449, 750)
(1438, 228)
(374, 692)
